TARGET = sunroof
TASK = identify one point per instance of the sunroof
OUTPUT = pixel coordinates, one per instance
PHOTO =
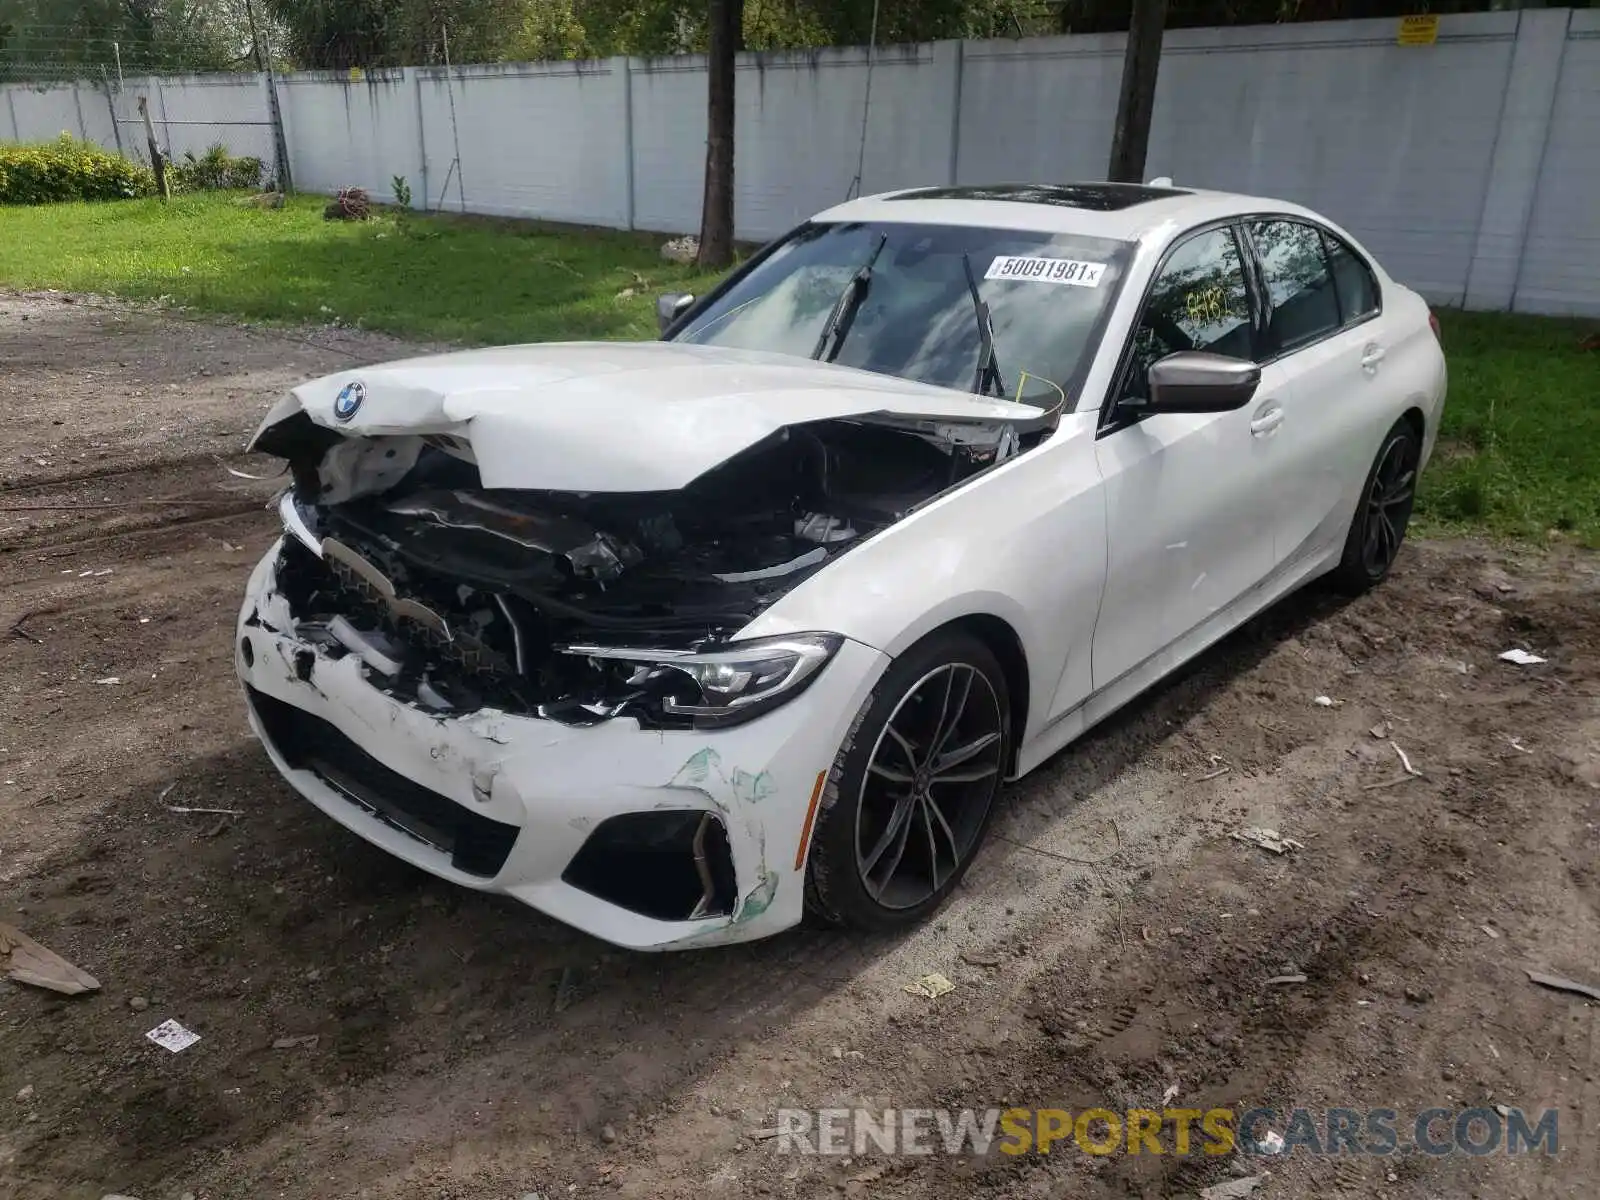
(1102, 197)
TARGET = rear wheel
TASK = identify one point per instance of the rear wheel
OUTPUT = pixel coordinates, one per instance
(909, 798)
(1379, 526)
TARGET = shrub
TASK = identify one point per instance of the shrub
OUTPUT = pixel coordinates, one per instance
(66, 169)
(216, 170)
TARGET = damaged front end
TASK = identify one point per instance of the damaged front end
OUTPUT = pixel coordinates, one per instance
(581, 607)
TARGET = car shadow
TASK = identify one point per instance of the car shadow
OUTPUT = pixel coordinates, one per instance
(1054, 788)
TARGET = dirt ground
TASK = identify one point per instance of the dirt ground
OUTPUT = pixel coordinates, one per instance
(1112, 943)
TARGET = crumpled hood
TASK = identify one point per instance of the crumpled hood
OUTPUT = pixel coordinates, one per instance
(614, 416)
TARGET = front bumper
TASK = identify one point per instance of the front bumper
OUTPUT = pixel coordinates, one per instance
(533, 791)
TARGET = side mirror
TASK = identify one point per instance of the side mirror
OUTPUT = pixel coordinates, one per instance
(1192, 381)
(670, 307)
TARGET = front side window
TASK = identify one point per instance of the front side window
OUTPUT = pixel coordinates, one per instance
(1198, 301)
(900, 297)
(1302, 303)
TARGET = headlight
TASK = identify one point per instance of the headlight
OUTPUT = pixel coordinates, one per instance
(716, 688)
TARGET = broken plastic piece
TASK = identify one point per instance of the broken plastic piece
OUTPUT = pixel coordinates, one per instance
(374, 649)
(819, 527)
(603, 558)
(1521, 658)
(1562, 984)
(809, 559)
(29, 962)
(1268, 839)
(430, 696)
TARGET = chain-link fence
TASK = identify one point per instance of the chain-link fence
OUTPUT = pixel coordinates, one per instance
(198, 89)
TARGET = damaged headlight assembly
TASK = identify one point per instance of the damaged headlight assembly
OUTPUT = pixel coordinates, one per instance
(725, 686)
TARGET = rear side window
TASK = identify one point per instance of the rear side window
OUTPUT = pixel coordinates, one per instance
(1303, 304)
(1352, 279)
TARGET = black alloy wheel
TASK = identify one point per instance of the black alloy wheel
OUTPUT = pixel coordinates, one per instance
(911, 794)
(1379, 526)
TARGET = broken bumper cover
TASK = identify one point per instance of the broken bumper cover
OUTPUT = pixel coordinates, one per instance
(508, 804)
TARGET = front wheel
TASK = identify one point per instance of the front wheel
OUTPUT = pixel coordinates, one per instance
(1379, 526)
(909, 798)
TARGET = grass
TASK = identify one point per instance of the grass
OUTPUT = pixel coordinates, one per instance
(1519, 446)
(453, 279)
(1519, 450)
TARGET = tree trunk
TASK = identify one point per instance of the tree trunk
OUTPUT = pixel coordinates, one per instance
(158, 161)
(716, 214)
(1135, 105)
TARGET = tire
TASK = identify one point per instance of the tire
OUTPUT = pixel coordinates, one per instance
(892, 839)
(1378, 528)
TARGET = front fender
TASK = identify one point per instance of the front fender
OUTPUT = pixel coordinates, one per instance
(1024, 543)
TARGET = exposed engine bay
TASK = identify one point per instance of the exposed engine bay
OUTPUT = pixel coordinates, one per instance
(458, 597)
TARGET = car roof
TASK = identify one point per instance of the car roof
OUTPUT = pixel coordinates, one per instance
(1121, 211)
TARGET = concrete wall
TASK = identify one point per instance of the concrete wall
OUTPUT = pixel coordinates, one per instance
(1469, 167)
(1558, 259)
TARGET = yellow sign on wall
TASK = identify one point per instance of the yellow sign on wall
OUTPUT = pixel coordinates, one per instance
(1419, 31)
(355, 74)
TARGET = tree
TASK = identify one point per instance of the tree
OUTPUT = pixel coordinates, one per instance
(1130, 137)
(716, 213)
(44, 39)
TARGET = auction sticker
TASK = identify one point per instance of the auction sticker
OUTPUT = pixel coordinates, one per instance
(1046, 270)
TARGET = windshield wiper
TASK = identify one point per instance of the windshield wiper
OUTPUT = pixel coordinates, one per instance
(988, 374)
(843, 314)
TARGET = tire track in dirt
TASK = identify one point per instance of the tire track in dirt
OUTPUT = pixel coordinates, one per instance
(62, 516)
(113, 474)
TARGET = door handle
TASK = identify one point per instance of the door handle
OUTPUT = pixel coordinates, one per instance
(1372, 356)
(1266, 421)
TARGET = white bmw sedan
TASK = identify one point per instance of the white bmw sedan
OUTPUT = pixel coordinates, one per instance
(679, 641)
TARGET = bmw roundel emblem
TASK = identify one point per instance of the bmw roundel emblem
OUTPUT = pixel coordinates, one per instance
(349, 400)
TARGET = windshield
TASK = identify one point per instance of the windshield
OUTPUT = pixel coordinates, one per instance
(916, 301)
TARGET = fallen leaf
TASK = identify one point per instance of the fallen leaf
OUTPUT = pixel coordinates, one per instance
(932, 986)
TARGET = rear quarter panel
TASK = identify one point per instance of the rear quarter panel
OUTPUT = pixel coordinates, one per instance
(1421, 378)
(1415, 359)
